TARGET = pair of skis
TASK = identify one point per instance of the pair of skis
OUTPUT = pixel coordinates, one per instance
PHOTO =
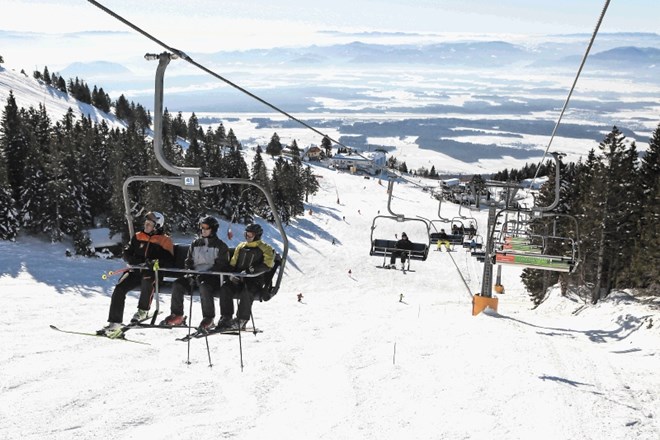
(393, 267)
(120, 337)
(197, 334)
(202, 333)
(102, 335)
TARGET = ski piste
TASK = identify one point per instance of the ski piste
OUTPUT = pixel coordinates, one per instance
(121, 338)
(202, 333)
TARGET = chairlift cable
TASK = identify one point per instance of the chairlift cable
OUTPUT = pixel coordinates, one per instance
(577, 76)
(461, 275)
(185, 57)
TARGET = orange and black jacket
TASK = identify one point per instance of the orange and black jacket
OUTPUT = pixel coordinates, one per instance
(143, 247)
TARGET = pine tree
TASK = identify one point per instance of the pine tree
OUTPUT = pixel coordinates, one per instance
(232, 141)
(219, 136)
(13, 143)
(61, 84)
(70, 178)
(195, 154)
(478, 185)
(274, 147)
(614, 194)
(8, 211)
(310, 183)
(259, 174)
(326, 145)
(122, 108)
(279, 187)
(295, 152)
(586, 208)
(236, 204)
(95, 158)
(215, 165)
(644, 268)
(46, 76)
(37, 193)
(100, 100)
(179, 126)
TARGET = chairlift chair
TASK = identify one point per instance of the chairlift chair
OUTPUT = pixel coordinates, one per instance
(537, 251)
(386, 247)
(190, 179)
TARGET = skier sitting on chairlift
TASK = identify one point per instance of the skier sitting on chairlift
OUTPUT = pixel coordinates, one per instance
(443, 239)
(403, 244)
(206, 253)
(146, 246)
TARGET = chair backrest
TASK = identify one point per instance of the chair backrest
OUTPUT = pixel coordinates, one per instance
(419, 251)
(269, 290)
(180, 254)
(385, 248)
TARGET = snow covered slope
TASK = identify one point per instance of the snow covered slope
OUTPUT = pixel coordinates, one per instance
(30, 92)
(354, 360)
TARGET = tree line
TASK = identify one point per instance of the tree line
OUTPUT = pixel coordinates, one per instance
(615, 197)
(61, 178)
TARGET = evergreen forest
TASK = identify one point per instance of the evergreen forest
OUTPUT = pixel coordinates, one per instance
(61, 178)
(615, 197)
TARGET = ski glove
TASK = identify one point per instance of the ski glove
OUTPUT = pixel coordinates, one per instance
(235, 279)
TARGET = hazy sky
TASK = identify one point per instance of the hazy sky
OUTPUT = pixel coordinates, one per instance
(199, 16)
(214, 25)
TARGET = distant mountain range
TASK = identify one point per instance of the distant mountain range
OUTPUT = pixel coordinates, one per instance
(627, 51)
(474, 54)
(91, 70)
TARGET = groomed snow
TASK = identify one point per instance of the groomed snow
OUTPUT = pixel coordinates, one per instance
(353, 360)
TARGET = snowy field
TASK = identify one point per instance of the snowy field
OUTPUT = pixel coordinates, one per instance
(368, 354)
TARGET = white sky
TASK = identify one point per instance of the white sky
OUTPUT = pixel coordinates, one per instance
(213, 26)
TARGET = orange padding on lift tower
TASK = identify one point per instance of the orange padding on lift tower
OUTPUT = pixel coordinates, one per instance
(479, 304)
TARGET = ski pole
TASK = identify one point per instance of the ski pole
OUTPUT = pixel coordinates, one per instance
(191, 282)
(208, 350)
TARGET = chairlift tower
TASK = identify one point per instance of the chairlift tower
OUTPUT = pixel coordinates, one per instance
(485, 298)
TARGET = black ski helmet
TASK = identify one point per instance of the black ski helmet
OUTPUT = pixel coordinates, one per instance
(211, 221)
(256, 229)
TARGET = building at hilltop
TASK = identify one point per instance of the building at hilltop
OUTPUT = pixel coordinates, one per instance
(370, 162)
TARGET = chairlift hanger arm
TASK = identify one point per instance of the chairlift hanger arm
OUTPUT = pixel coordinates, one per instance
(163, 61)
(390, 188)
(440, 217)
